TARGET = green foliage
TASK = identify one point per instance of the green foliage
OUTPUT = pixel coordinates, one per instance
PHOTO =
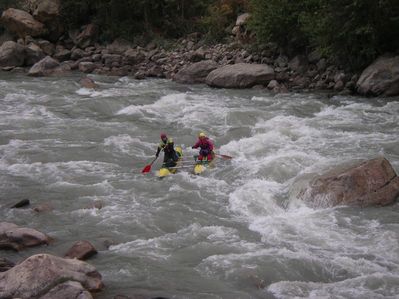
(130, 18)
(353, 32)
(278, 21)
(220, 15)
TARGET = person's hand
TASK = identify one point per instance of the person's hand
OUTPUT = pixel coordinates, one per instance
(156, 155)
(193, 147)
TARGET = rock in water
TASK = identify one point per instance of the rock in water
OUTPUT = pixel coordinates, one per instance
(82, 250)
(370, 183)
(14, 237)
(21, 203)
(40, 275)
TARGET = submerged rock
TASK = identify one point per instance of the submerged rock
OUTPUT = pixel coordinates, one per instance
(370, 183)
(240, 75)
(17, 238)
(22, 203)
(48, 276)
(87, 82)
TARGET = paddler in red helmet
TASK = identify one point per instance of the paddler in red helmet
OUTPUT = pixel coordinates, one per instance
(170, 155)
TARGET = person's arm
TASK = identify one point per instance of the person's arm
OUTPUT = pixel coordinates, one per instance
(158, 150)
(196, 145)
(210, 145)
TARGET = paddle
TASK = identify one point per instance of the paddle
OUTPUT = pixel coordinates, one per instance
(224, 156)
(147, 168)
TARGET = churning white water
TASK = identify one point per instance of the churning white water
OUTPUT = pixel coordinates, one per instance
(238, 231)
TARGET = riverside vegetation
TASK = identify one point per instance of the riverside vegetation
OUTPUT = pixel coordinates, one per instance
(312, 44)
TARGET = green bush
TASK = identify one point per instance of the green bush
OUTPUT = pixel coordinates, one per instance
(353, 32)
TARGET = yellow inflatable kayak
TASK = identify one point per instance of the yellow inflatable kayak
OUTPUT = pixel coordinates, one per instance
(201, 166)
(165, 171)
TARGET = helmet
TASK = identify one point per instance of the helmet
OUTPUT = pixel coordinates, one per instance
(163, 136)
(170, 140)
(200, 135)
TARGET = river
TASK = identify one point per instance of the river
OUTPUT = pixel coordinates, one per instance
(238, 230)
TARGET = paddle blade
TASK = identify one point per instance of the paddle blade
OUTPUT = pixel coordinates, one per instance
(146, 169)
(225, 157)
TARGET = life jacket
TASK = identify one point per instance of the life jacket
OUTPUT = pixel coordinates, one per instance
(204, 143)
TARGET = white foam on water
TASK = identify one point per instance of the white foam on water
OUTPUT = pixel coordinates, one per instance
(128, 145)
(367, 286)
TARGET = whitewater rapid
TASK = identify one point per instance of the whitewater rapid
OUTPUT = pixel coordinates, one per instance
(238, 231)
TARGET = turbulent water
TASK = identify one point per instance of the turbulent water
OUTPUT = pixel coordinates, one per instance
(238, 231)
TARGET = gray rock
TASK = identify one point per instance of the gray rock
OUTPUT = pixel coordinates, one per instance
(12, 54)
(46, 10)
(21, 203)
(87, 82)
(241, 75)
(45, 67)
(380, 78)
(62, 54)
(76, 54)
(133, 56)
(298, 64)
(5, 264)
(43, 273)
(17, 238)
(196, 73)
(66, 290)
(87, 67)
(82, 250)
(33, 54)
(370, 183)
(22, 23)
(47, 47)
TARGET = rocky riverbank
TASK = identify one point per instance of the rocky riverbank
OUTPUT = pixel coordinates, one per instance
(32, 46)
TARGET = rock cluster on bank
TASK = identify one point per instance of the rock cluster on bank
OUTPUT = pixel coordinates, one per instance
(45, 276)
(39, 42)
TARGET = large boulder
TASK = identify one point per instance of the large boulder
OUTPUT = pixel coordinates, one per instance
(240, 75)
(45, 276)
(12, 54)
(380, 78)
(370, 183)
(66, 290)
(17, 238)
(5, 264)
(196, 73)
(45, 67)
(22, 23)
(46, 10)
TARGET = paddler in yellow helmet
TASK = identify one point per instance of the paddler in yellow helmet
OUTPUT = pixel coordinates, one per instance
(206, 147)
